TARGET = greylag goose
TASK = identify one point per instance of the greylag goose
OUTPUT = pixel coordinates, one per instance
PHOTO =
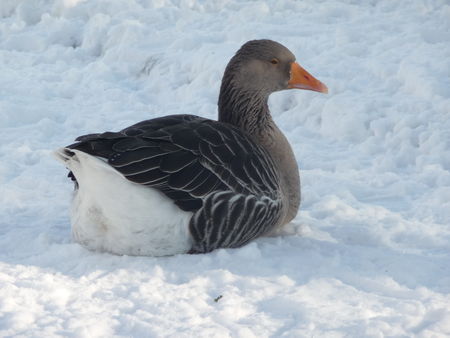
(187, 184)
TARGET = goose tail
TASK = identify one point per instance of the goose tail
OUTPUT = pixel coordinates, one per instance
(64, 155)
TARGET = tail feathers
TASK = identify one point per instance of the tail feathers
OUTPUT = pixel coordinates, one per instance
(83, 166)
(63, 155)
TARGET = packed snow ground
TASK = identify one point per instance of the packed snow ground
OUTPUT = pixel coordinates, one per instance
(368, 254)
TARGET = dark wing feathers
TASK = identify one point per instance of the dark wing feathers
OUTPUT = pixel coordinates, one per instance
(204, 166)
(183, 177)
(127, 157)
(151, 177)
(210, 135)
(178, 161)
(207, 153)
(226, 155)
(140, 167)
(133, 143)
(185, 138)
(228, 221)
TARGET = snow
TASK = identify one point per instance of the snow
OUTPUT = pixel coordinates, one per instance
(368, 255)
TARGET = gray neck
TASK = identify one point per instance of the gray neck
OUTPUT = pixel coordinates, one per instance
(249, 111)
(246, 109)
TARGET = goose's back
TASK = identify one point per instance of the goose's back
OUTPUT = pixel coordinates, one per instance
(205, 167)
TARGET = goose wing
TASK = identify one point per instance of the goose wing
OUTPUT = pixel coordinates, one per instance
(204, 166)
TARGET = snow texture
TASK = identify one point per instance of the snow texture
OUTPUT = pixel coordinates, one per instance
(368, 254)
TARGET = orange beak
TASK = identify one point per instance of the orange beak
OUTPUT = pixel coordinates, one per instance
(301, 79)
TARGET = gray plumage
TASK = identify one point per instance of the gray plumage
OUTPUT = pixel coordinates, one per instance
(237, 175)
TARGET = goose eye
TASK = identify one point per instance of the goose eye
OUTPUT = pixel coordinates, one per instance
(274, 61)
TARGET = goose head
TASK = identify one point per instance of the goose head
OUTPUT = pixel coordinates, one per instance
(267, 66)
(259, 68)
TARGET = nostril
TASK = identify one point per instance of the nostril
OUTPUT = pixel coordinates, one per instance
(306, 77)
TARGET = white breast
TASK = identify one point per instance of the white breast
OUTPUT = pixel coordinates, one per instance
(110, 213)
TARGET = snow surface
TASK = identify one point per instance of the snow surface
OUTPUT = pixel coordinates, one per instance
(368, 254)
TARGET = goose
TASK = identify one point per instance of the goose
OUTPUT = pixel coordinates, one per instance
(186, 184)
